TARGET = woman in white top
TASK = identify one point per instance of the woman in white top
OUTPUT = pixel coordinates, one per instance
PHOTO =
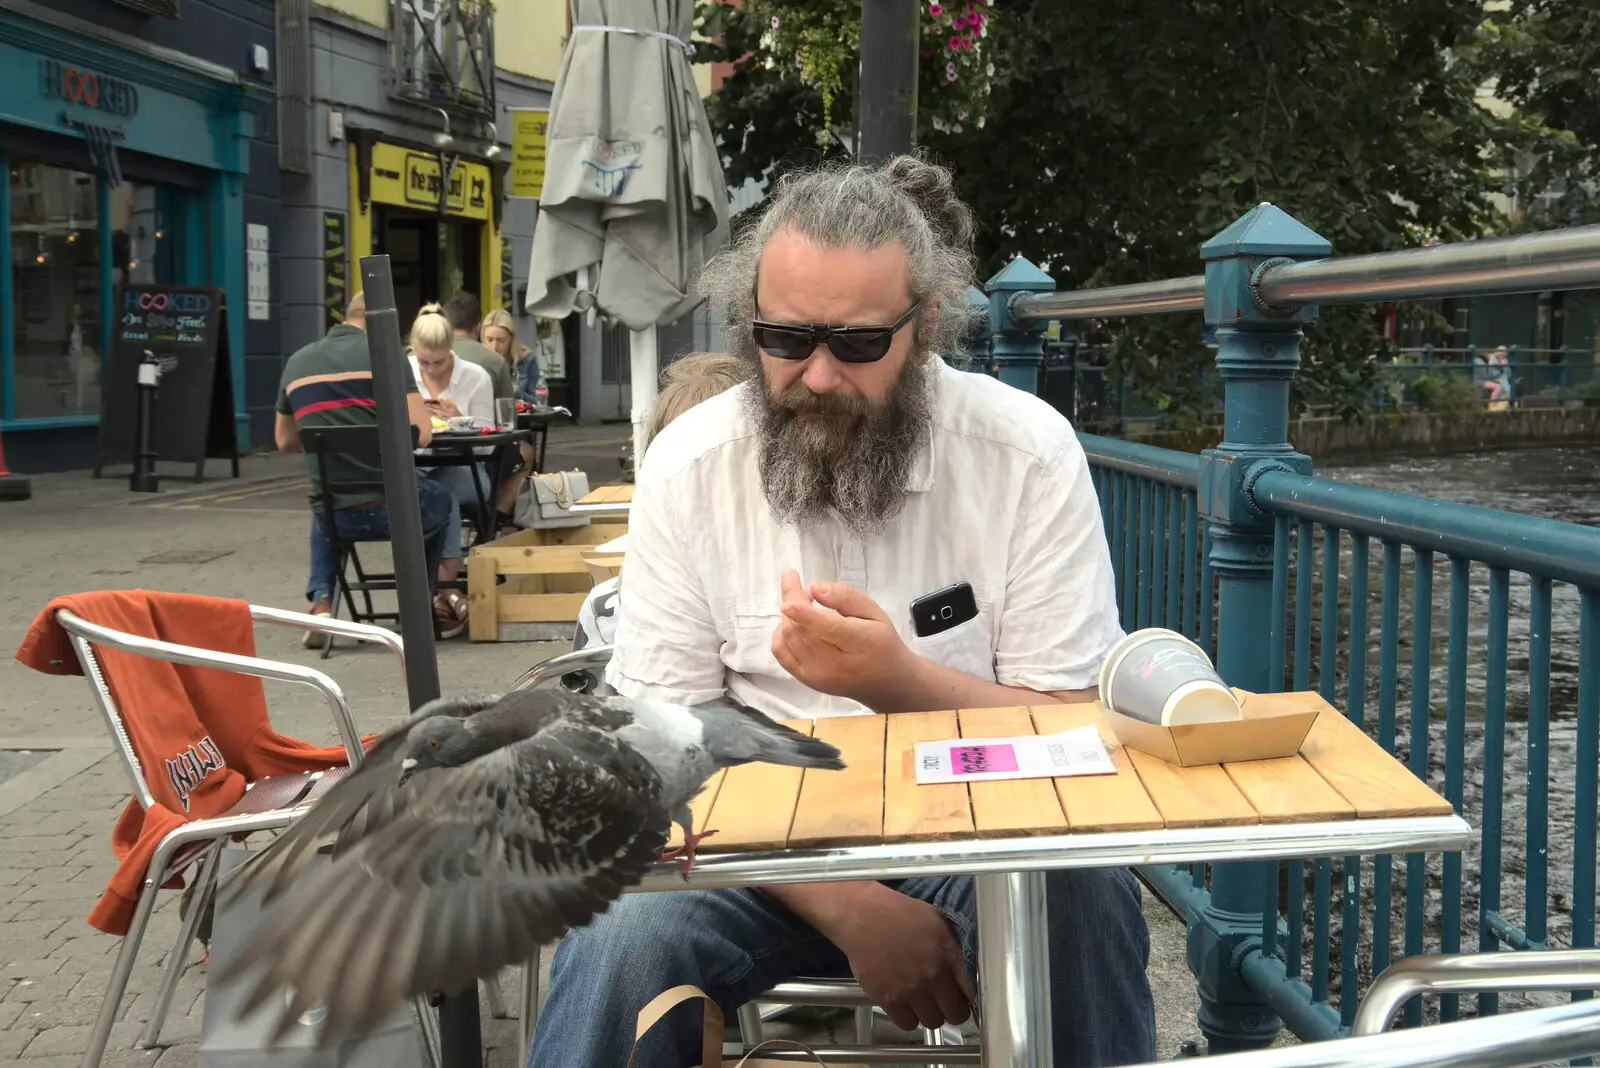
(450, 387)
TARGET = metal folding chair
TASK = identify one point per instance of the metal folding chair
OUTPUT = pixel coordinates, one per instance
(580, 670)
(269, 804)
(1473, 973)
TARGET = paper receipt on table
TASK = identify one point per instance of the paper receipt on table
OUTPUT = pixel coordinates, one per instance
(1031, 756)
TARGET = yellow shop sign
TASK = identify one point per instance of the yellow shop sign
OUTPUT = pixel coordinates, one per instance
(411, 178)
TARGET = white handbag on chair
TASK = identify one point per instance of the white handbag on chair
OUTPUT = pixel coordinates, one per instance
(545, 501)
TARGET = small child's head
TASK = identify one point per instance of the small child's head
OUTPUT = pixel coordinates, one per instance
(690, 380)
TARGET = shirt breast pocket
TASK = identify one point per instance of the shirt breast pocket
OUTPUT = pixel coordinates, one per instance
(967, 647)
(749, 642)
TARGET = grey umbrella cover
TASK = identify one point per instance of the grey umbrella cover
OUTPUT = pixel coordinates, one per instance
(633, 186)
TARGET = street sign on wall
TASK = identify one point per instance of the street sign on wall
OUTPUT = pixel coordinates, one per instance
(528, 130)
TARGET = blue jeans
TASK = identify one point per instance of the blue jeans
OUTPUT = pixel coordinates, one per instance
(737, 944)
(463, 494)
(372, 524)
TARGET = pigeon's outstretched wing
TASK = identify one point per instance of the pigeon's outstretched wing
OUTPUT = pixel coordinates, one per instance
(480, 865)
(365, 798)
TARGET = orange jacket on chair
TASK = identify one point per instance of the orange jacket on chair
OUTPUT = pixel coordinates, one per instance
(200, 733)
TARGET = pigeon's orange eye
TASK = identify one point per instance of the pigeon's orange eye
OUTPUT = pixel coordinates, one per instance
(433, 743)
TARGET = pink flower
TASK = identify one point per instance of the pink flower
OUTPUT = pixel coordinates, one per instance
(936, 10)
(950, 72)
(774, 22)
(955, 44)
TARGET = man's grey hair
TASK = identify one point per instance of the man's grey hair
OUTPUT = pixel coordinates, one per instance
(903, 200)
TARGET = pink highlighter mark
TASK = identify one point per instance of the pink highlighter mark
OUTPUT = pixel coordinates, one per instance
(979, 759)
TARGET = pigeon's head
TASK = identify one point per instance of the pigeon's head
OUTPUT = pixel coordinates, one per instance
(437, 742)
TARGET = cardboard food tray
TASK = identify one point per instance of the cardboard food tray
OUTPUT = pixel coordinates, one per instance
(1273, 725)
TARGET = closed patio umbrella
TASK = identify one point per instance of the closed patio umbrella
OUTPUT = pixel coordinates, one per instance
(634, 199)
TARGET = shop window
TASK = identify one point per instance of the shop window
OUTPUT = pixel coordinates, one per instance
(58, 276)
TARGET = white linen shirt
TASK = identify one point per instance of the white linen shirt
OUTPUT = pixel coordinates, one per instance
(1001, 498)
(470, 387)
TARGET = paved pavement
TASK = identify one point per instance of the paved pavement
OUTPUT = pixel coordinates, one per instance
(61, 789)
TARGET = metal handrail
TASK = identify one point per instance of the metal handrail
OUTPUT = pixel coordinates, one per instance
(243, 665)
(1527, 263)
(1143, 298)
(1473, 973)
(1562, 552)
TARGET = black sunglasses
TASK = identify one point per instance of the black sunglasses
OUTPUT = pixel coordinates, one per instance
(849, 344)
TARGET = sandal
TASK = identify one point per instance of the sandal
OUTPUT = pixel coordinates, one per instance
(450, 614)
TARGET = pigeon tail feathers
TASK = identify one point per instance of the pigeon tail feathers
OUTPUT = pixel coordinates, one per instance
(738, 734)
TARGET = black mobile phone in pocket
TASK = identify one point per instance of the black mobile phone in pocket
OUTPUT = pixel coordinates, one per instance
(937, 612)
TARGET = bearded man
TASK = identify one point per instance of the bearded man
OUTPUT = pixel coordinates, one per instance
(778, 537)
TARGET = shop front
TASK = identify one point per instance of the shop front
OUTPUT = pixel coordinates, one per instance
(435, 215)
(124, 164)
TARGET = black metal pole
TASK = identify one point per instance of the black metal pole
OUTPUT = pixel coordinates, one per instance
(890, 39)
(143, 479)
(460, 1034)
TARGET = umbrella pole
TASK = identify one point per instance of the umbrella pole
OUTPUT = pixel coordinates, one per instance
(644, 366)
(460, 1038)
(890, 38)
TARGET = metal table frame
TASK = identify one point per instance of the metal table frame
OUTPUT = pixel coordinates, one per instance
(459, 450)
(1013, 959)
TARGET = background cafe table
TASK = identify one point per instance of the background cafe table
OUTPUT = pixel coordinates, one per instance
(1342, 795)
(606, 500)
(450, 448)
(537, 421)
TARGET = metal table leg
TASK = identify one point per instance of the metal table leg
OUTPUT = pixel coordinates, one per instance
(1014, 971)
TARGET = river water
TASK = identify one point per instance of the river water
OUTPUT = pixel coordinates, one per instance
(1560, 483)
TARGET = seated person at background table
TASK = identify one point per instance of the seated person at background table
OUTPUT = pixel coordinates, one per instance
(450, 387)
(499, 332)
(465, 315)
(329, 383)
(686, 382)
(777, 538)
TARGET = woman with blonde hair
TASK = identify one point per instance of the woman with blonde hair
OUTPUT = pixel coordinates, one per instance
(450, 387)
(499, 332)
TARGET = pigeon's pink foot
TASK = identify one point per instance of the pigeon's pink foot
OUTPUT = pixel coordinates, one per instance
(685, 852)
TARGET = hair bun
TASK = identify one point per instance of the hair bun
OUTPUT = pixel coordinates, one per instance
(933, 189)
(431, 309)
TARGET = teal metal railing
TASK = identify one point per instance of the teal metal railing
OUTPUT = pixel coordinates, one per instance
(1323, 539)
(1279, 576)
(1486, 555)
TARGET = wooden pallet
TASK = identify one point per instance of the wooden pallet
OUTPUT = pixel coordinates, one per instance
(546, 582)
(1340, 774)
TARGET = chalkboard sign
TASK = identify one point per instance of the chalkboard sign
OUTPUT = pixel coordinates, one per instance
(186, 330)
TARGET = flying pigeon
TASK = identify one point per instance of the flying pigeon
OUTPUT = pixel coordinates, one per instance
(476, 831)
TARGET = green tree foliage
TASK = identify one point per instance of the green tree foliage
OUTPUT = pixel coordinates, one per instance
(1543, 57)
(1118, 137)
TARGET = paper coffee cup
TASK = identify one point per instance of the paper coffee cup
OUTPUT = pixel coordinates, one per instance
(1159, 676)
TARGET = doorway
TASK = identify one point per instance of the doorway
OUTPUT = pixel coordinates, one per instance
(431, 258)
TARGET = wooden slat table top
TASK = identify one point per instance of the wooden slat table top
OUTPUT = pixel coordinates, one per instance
(1340, 774)
(616, 493)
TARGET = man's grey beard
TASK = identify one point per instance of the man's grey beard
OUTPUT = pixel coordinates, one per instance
(854, 462)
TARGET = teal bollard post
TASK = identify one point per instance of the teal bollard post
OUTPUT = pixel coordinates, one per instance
(1258, 352)
(1016, 350)
(979, 348)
